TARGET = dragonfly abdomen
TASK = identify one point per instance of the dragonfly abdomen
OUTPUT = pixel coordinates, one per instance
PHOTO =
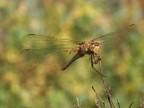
(75, 57)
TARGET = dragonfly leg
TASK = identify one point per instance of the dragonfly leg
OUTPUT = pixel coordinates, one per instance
(97, 60)
(92, 65)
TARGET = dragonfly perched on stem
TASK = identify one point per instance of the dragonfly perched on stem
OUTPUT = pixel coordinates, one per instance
(42, 43)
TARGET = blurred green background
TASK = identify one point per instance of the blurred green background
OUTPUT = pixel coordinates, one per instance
(29, 85)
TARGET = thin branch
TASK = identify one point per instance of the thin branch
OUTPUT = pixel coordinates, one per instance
(78, 103)
(97, 104)
(118, 103)
(107, 90)
(141, 104)
(131, 104)
(99, 97)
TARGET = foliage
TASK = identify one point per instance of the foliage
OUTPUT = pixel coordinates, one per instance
(26, 84)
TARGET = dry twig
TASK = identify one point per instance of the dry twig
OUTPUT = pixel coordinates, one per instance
(97, 102)
(107, 89)
(141, 104)
(118, 103)
(131, 104)
(78, 103)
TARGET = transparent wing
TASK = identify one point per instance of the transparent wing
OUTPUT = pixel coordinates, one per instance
(43, 41)
(116, 35)
(41, 48)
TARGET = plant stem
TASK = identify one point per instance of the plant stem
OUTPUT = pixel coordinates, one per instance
(107, 90)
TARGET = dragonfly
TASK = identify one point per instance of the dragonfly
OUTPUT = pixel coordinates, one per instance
(48, 44)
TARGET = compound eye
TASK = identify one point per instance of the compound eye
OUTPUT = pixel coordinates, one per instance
(97, 44)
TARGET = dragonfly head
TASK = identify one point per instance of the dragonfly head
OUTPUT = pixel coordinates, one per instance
(96, 47)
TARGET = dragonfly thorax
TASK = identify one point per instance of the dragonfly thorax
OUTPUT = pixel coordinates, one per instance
(90, 47)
